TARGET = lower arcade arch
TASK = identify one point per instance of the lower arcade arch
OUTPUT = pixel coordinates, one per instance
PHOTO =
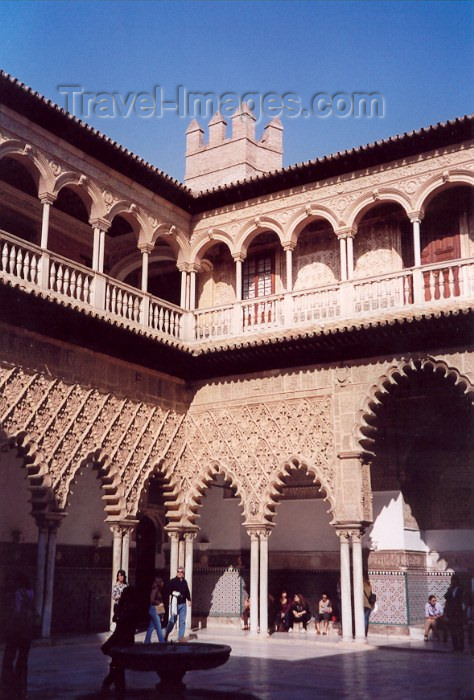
(418, 425)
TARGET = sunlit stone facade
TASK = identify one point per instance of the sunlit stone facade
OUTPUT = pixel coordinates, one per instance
(269, 382)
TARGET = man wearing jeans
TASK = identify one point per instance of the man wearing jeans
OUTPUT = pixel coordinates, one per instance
(178, 591)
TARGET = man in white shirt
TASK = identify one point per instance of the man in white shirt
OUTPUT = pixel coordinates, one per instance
(433, 615)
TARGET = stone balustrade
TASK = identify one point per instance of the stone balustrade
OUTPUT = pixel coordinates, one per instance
(28, 266)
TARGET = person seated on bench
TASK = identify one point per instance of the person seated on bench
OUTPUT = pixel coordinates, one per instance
(299, 613)
(433, 617)
(324, 614)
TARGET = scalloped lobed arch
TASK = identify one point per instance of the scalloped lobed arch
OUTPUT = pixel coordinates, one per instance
(111, 484)
(38, 475)
(272, 495)
(36, 164)
(354, 213)
(302, 218)
(190, 506)
(439, 183)
(378, 393)
(205, 241)
(171, 492)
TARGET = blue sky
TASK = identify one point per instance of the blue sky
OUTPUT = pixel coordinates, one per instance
(418, 55)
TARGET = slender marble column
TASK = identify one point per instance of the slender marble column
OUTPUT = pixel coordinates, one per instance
(350, 257)
(49, 584)
(289, 269)
(181, 552)
(116, 560)
(41, 567)
(45, 222)
(346, 605)
(145, 260)
(238, 279)
(192, 291)
(100, 260)
(264, 534)
(95, 249)
(126, 549)
(174, 540)
(416, 242)
(253, 582)
(343, 256)
(357, 573)
(184, 279)
(188, 568)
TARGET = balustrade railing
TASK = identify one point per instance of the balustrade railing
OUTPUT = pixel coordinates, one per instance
(316, 305)
(213, 323)
(71, 280)
(19, 260)
(31, 266)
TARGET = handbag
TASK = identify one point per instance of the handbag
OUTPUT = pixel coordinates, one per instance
(160, 609)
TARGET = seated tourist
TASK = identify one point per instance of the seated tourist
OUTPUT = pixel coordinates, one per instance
(246, 614)
(433, 616)
(299, 613)
(324, 614)
(282, 615)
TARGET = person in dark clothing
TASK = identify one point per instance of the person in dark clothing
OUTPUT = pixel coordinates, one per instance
(123, 635)
(178, 591)
(454, 612)
(299, 612)
(19, 634)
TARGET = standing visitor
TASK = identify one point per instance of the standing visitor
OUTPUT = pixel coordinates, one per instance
(454, 611)
(123, 635)
(119, 586)
(369, 603)
(19, 633)
(178, 591)
(155, 611)
(281, 618)
(246, 613)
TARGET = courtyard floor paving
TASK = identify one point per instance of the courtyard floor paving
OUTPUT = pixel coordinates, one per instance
(282, 667)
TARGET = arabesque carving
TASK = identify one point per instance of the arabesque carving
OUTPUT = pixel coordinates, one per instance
(250, 444)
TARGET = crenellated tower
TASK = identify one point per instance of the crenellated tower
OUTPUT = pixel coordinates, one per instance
(223, 160)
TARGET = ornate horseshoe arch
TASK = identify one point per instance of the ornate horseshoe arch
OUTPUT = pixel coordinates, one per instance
(271, 498)
(365, 426)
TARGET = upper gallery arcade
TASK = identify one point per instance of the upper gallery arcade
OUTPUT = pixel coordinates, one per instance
(262, 345)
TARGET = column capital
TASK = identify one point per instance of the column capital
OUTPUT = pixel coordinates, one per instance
(49, 521)
(415, 216)
(259, 531)
(193, 267)
(361, 455)
(47, 197)
(346, 232)
(145, 247)
(289, 245)
(238, 257)
(120, 527)
(101, 223)
(190, 535)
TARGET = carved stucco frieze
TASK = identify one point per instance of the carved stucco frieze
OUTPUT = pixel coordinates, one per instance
(250, 444)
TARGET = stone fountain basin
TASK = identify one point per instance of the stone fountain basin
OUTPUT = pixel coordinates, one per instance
(170, 661)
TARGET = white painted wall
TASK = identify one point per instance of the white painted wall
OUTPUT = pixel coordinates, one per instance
(387, 532)
(15, 508)
(303, 526)
(300, 526)
(85, 513)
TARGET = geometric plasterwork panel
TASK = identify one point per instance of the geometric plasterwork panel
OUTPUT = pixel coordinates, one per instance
(250, 444)
(61, 425)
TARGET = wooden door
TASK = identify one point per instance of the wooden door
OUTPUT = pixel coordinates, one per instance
(258, 280)
(440, 242)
